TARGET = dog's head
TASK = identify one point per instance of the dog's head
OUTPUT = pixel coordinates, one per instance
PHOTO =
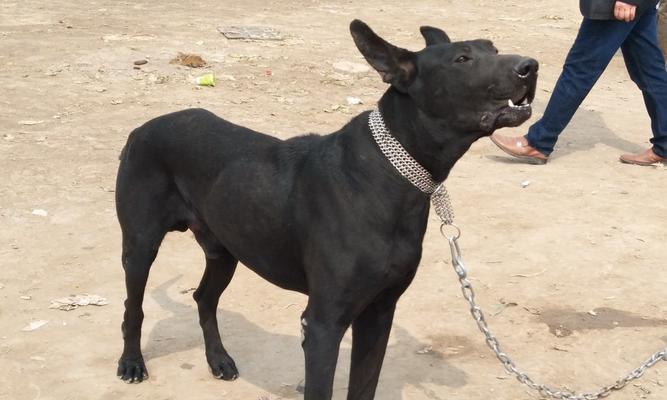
(468, 84)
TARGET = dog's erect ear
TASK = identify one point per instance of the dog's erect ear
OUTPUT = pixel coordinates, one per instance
(396, 66)
(434, 35)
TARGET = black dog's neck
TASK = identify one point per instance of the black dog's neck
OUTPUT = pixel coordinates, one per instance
(434, 143)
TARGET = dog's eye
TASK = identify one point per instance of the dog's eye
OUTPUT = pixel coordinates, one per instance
(463, 59)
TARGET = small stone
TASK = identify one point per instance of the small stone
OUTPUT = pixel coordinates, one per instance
(25, 297)
(141, 62)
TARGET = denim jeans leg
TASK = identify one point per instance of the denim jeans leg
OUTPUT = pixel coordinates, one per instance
(593, 49)
(645, 63)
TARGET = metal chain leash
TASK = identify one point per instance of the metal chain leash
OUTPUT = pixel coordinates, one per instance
(508, 364)
(421, 178)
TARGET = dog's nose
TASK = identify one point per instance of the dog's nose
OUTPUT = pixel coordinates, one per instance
(526, 67)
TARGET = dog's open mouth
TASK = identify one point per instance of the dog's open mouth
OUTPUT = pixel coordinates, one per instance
(518, 108)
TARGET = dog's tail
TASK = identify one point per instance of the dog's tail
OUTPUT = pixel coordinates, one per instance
(122, 152)
(126, 148)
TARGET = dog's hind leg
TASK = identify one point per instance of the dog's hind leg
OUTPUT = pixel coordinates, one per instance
(139, 252)
(370, 334)
(220, 267)
(148, 206)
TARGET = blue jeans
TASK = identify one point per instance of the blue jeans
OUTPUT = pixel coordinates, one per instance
(596, 44)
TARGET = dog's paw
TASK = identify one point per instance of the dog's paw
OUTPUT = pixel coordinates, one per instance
(223, 367)
(132, 370)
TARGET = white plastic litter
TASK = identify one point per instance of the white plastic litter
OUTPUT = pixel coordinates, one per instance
(34, 325)
(80, 300)
(40, 213)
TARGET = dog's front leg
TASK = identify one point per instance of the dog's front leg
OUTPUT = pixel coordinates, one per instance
(370, 334)
(322, 334)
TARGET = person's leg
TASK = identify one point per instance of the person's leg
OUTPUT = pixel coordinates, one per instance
(646, 66)
(662, 27)
(593, 49)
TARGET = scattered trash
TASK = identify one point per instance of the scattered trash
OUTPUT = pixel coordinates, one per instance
(353, 101)
(115, 102)
(205, 80)
(593, 313)
(25, 297)
(351, 67)
(37, 358)
(158, 79)
(529, 275)
(40, 213)
(557, 348)
(186, 291)
(533, 310)
(188, 60)
(141, 62)
(30, 122)
(56, 69)
(250, 32)
(75, 301)
(34, 325)
(425, 350)
(553, 17)
(499, 308)
(525, 184)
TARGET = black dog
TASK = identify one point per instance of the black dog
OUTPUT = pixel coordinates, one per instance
(327, 216)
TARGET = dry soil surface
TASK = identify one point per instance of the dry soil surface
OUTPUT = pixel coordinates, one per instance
(570, 269)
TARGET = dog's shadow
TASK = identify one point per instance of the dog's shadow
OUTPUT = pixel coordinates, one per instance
(274, 362)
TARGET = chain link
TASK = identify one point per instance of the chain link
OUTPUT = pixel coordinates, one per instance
(510, 366)
(421, 178)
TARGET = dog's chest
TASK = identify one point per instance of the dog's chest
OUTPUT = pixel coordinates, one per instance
(405, 244)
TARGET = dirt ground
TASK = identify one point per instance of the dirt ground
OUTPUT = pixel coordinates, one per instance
(570, 269)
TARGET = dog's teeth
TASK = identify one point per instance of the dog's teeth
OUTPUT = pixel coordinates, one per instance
(511, 103)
